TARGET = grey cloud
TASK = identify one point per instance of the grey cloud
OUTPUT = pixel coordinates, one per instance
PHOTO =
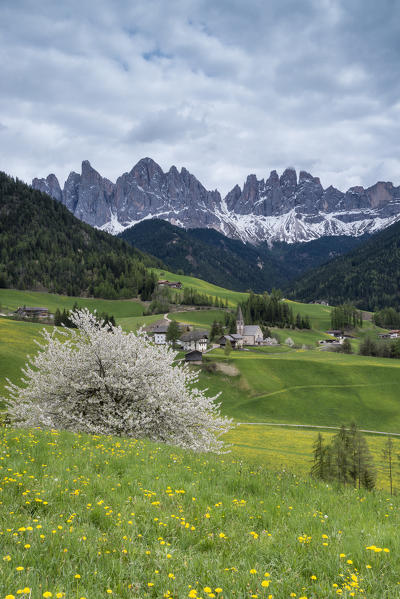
(224, 88)
(166, 126)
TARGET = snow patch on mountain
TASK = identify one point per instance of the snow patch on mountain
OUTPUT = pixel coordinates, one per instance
(281, 208)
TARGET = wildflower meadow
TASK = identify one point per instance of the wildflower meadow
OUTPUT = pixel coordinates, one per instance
(89, 517)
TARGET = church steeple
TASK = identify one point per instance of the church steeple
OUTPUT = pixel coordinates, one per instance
(239, 322)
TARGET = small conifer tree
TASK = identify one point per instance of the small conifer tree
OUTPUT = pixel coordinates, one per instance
(228, 347)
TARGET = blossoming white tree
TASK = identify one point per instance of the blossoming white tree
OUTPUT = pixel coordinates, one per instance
(101, 380)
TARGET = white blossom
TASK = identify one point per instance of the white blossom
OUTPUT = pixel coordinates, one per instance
(101, 380)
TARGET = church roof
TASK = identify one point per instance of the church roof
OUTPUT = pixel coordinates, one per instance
(251, 329)
(240, 314)
(195, 335)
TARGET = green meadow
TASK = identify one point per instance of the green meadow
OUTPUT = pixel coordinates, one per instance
(133, 323)
(266, 384)
(308, 387)
(286, 448)
(233, 297)
(17, 340)
(320, 316)
(95, 517)
(11, 299)
(198, 318)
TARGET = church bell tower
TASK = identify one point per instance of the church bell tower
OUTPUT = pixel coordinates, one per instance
(239, 322)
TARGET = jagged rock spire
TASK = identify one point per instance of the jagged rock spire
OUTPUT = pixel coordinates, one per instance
(284, 208)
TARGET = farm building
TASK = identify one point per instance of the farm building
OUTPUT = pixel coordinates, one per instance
(194, 340)
(235, 339)
(194, 357)
(390, 335)
(25, 312)
(172, 284)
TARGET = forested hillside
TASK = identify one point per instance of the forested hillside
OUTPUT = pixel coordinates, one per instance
(368, 276)
(209, 255)
(44, 247)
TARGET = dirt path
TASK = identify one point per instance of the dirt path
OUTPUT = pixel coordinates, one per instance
(336, 428)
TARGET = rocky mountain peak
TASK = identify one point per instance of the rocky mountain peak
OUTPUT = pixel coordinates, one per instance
(285, 207)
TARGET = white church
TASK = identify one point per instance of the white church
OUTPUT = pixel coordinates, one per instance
(251, 333)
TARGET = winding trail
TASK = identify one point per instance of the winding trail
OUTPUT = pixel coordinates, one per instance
(336, 428)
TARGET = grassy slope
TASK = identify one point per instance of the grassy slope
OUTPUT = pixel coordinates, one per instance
(138, 520)
(11, 299)
(319, 315)
(291, 449)
(267, 445)
(16, 341)
(202, 286)
(315, 387)
(133, 323)
(198, 318)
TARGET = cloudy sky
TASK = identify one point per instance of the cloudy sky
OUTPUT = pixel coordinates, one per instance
(225, 88)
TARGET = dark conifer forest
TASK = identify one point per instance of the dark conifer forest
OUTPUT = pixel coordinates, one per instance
(368, 276)
(44, 247)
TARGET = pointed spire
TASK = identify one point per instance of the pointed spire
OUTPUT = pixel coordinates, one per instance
(239, 322)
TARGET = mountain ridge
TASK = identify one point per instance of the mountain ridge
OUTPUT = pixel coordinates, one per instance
(209, 255)
(286, 208)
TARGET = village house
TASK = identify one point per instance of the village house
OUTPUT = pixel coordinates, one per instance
(335, 341)
(194, 340)
(25, 312)
(172, 284)
(251, 333)
(390, 335)
(335, 333)
(235, 339)
(158, 330)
